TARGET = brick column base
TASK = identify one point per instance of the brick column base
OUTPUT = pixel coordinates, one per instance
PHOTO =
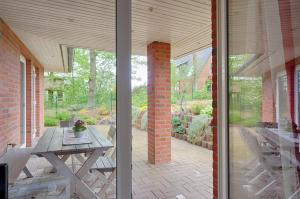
(159, 103)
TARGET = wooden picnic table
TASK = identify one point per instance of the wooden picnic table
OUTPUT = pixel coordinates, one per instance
(285, 141)
(51, 146)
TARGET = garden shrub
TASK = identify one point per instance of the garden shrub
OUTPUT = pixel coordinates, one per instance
(76, 107)
(197, 108)
(103, 110)
(144, 108)
(84, 112)
(207, 110)
(144, 121)
(198, 128)
(50, 121)
(63, 116)
(88, 120)
(177, 125)
(134, 113)
(139, 96)
(176, 121)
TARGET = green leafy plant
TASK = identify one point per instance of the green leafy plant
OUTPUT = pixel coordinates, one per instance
(50, 121)
(64, 116)
(180, 129)
(198, 128)
(207, 110)
(177, 125)
(176, 121)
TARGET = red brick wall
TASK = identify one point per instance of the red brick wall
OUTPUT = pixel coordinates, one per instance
(268, 99)
(205, 74)
(11, 47)
(40, 101)
(159, 103)
(214, 97)
(10, 93)
(29, 99)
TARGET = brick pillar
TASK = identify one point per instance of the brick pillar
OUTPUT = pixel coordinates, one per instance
(159, 103)
(40, 101)
(268, 99)
(214, 96)
(29, 108)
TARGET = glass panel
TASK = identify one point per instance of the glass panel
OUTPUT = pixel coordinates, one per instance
(171, 99)
(264, 49)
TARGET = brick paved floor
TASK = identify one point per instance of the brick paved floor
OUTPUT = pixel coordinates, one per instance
(188, 175)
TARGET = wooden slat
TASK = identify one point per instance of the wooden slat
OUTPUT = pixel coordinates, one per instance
(100, 163)
(12, 37)
(56, 141)
(43, 143)
(98, 136)
(112, 162)
(106, 162)
(46, 24)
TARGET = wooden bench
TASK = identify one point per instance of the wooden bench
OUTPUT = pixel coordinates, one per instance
(16, 159)
(104, 165)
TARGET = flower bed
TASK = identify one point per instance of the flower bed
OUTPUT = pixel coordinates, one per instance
(194, 129)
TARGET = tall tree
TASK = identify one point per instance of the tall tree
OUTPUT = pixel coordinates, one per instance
(92, 80)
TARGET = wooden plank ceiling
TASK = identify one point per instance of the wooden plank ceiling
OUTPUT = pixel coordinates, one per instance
(255, 28)
(48, 27)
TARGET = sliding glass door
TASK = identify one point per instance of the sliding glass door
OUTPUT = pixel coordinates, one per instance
(263, 88)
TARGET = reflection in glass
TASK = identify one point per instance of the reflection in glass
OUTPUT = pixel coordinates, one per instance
(264, 49)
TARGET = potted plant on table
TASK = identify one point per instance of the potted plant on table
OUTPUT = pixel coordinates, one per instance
(79, 128)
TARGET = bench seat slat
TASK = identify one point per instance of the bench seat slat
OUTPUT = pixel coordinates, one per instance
(104, 164)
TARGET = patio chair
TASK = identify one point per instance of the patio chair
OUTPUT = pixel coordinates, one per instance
(270, 164)
(16, 159)
(111, 136)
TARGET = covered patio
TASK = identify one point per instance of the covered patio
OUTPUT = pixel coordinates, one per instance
(44, 37)
(188, 175)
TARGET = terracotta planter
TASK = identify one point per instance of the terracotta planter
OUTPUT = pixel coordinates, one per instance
(185, 137)
(181, 136)
(199, 143)
(173, 134)
(209, 145)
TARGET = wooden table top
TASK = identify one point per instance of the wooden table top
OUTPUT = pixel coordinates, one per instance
(52, 142)
(279, 137)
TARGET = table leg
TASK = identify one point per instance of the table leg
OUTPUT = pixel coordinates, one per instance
(76, 183)
(64, 158)
(89, 163)
(80, 158)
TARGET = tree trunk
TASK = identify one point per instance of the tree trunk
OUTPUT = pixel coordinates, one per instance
(92, 80)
